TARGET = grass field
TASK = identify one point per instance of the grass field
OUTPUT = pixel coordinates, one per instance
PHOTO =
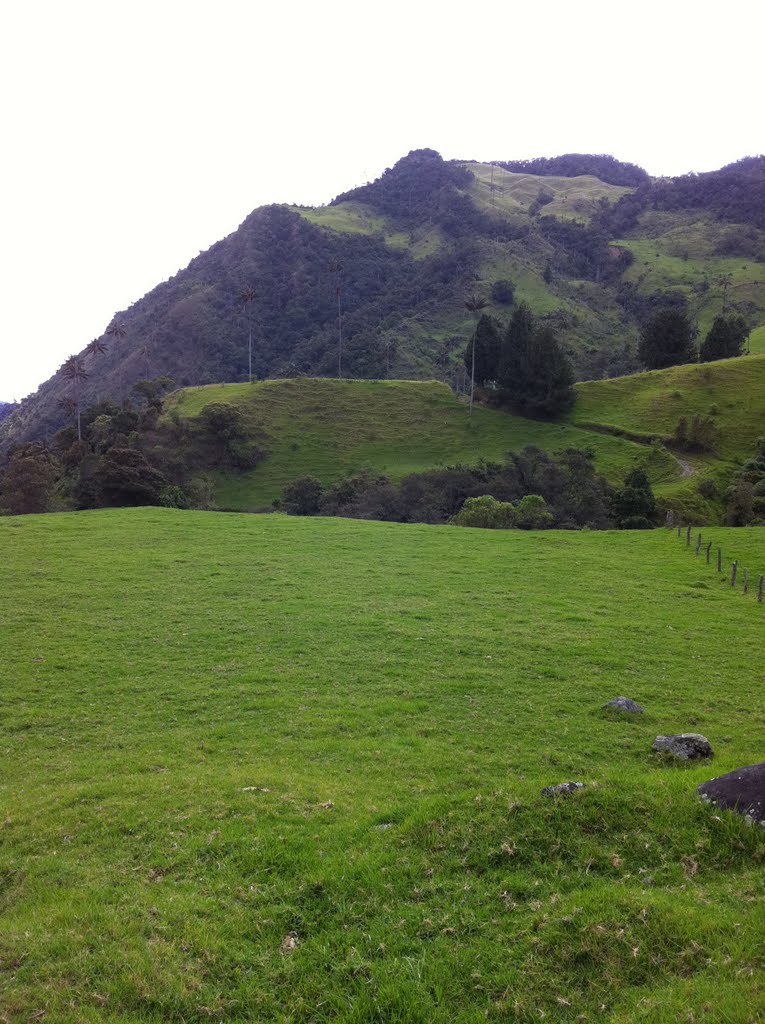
(731, 391)
(331, 428)
(225, 734)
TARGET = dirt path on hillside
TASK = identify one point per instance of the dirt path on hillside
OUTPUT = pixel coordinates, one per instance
(686, 467)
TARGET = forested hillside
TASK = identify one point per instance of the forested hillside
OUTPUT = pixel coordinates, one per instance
(593, 246)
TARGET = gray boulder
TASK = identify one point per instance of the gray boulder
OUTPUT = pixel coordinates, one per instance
(685, 746)
(562, 789)
(624, 704)
(742, 790)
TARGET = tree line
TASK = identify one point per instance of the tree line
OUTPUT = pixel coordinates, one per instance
(535, 489)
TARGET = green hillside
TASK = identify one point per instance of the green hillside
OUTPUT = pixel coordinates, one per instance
(258, 768)
(593, 259)
(331, 428)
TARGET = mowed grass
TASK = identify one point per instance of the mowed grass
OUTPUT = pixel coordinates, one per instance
(220, 731)
(331, 428)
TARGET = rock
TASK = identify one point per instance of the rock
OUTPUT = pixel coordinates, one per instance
(686, 746)
(562, 789)
(624, 704)
(742, 790)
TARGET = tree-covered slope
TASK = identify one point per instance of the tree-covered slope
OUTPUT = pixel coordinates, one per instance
(593, 256)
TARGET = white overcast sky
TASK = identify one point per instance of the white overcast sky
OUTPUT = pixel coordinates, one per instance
(135, 134)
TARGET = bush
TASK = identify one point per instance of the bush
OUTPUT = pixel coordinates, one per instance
(637, 523)
(532, 513)
(485, 513)
(503, 291)
(302, 497)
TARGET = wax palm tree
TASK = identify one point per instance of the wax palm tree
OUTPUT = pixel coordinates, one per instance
(247, 297)
(96, 347)
(117, 331)
(335, 268)
(474, 305)
(74, 371)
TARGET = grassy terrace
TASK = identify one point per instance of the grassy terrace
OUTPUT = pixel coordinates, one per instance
(220, 732)
(330, 428)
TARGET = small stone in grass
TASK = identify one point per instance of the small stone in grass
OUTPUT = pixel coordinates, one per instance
(631, 707)
(562, 789)
(685, 746)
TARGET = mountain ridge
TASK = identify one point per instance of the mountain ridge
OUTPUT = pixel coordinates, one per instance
(405, 250)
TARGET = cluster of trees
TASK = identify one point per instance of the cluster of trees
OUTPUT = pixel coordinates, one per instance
(524, 361)
(567, 493)
(117, 455)
(669, 339)
(423, 188)
(746, 497)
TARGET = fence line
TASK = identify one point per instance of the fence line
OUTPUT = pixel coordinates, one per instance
(734, 564)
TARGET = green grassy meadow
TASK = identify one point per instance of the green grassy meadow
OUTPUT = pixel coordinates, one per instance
(257, 768)
(331, 428)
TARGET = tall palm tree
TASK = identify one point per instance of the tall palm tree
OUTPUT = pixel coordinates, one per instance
(74, 370)
(247, 297)
(117, 331)
(335, 268)
(96, 347)
(474, 305)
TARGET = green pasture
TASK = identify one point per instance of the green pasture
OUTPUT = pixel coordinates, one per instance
(730, 391)
(331, 428)
(257, 768)
(509, 192)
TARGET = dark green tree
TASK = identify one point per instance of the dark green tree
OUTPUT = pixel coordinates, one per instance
(502, 291)
(667, 340)
(634, 506)
(28, 481)
(486, 344)
(535, 373)
(302, 497)
(514, 347)
(725, 339)
(123, 477)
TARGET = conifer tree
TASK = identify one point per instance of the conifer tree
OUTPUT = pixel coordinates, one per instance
(487, 344)
(725, 339)
(535, 374)
(667, 340)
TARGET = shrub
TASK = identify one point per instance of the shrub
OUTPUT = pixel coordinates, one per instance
(532, 513)
(637, 523)
(503, 291)
(486, 513)
(302, 497)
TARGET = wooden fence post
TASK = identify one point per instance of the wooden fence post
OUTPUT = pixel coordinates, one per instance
(746, 580)
(688, 537)
(709, 548)
(759, 589)
(698, 544)
(679, 531)
(733, 573)
(719, 559)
